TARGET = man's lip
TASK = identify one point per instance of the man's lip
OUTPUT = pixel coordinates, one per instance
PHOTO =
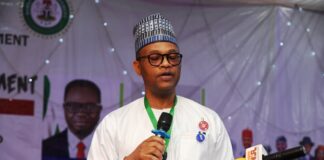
(80, 120)
(166, 74)
(80, 123)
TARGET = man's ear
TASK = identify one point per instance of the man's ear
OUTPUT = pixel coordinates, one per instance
(137, 67)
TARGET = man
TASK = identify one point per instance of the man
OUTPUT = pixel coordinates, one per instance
(197, 132)
(319, 152)
(308, 144)
(247, 140)
(281, 143)
(82, 112)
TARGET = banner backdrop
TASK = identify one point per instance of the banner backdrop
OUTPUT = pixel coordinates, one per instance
(258, 67)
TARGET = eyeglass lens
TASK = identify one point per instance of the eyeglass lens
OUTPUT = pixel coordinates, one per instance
(77, 107)
(157, 59)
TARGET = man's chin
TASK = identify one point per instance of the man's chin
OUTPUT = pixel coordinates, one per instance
(167, 86)
(83, 132)
(165, 90)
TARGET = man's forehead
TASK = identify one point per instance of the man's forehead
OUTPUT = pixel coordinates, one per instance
(81, 94)
(81, 89)
(160, 47)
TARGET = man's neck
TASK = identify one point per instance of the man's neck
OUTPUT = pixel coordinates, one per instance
(159, 101)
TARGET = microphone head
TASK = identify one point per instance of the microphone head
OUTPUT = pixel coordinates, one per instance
(164, 122)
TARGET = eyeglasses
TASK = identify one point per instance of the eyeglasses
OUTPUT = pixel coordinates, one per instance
(156, 59)
(74, 107)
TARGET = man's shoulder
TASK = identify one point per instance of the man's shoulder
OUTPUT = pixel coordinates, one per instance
(57, 138)
(55, 146)
(129, 108)
(193, 105)
(136, 104)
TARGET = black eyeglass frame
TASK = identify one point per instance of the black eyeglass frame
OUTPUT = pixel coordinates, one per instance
(89, 107)
(168, 57)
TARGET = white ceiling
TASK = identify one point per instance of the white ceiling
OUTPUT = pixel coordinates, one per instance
(316, 5)
(306, 4)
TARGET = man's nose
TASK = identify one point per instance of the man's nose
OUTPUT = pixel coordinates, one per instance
(165, 61)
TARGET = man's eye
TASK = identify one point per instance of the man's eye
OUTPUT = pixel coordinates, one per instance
(173, 56)
(155, 57)
(88, 106)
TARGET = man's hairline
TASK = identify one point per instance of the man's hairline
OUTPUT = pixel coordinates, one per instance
(137, 54)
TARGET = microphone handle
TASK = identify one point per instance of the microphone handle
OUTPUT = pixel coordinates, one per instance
(287, 155)
(164, 156)
(163, 135)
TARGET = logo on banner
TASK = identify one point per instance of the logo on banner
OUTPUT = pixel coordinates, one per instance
(46, 17)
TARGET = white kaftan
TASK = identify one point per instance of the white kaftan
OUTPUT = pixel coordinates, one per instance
(122, 130)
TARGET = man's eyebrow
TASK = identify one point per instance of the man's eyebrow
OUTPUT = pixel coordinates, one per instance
(159, 52)
(153, 51)
(173, 51)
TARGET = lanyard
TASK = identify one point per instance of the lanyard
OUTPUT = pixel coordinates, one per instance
(153, 119)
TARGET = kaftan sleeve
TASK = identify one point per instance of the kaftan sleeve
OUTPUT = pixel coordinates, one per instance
(223, 146)
(103, 145)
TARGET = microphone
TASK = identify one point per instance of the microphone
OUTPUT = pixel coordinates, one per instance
(163, 125)
(287, 154)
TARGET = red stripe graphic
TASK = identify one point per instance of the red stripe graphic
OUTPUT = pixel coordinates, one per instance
(17, 107)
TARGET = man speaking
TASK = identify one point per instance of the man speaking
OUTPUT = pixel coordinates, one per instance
(196, 132)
